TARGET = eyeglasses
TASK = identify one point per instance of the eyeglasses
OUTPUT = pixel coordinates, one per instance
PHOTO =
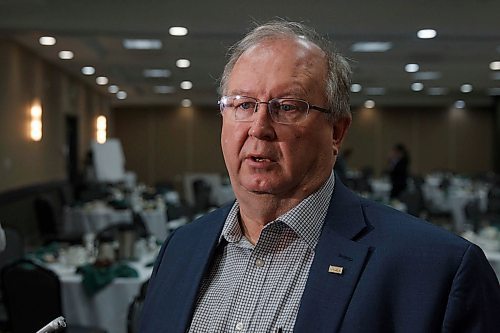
(281, 110)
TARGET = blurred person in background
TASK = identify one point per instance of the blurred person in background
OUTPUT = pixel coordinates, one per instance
(340, 167)
(399, 162)
(298, 251)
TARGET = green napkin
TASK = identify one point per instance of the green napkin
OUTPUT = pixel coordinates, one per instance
(45, 252)
(96, 278)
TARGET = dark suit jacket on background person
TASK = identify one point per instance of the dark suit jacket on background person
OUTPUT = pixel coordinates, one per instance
(399, 174)
(340, 168)
(400, 274)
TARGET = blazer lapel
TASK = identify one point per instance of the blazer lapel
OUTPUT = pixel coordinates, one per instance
(201, 254)
(337, 265)
(188, 262)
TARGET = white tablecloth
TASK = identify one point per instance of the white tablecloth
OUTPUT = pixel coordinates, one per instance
(155, 221)
(454, 199)
(494, 259)
(109, 307)
(381, 188)
(82, 220)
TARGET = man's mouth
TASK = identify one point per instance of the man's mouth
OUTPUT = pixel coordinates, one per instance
(260, 159)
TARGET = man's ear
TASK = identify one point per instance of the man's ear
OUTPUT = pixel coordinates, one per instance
(340, 127)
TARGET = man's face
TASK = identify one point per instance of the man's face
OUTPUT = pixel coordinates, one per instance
(265, 157)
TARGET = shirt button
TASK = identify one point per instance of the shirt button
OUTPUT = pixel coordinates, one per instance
(259, 262)
(239, 326)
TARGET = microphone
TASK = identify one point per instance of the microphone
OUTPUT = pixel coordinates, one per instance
(53, 326)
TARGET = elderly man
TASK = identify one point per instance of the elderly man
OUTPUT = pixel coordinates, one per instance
(297, 251)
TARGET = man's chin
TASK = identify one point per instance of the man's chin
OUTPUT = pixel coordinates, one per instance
(259, 186)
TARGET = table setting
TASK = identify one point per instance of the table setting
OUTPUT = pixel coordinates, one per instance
(451, 193)
(120, 206)
(99, 280)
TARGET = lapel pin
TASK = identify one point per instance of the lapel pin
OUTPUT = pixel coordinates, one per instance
(335, 269)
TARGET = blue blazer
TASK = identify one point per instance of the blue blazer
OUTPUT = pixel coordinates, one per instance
(400, 274)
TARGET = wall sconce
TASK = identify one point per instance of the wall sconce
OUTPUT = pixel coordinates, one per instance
(36, 122)
(101, 129)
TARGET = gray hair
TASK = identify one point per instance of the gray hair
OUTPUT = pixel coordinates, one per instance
(338, 80)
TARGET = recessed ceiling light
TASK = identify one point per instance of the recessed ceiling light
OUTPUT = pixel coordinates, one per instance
(101, 80)
(495, 65)
(371, 46)
(186, 102)
(417, 86)
(377, 91)
(178, 31)
(183, 63)
(47, 40)
(121, 94)
(88, 70)
(369, 104)
(494, 91)
(466, 88)
(164, 89)
(426, 76)
(412, 68)
(66, 55)
(436, 91)
(186, 85)
(355, 87)
(459, 104)
(156, 73)
(426, 33)
(142, 44)
(113, 89)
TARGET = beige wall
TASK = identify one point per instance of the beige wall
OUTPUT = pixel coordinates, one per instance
(25, 79)
(459, 140)
(162, 143)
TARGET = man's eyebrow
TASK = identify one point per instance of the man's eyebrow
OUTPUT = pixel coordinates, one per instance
(239, 92)
(296, 91)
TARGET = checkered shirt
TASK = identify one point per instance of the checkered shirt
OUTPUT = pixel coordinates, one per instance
(258, 288)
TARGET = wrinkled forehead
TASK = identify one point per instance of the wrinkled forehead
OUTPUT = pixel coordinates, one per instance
(293, 60)
(295, 54)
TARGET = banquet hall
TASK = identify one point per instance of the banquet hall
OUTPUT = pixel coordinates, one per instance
(110, 134)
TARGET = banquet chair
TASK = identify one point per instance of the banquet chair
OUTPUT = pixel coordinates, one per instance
(112, 232)
(414, 202)
(14, 250)
(202, 191)
(49, 221)
(33, 298)
(66, 194)
(473, 215)
(47, 215)
(493, 208)
(140, 225)
(135, 309)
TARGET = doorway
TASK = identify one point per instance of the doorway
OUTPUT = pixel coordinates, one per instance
(72, 148)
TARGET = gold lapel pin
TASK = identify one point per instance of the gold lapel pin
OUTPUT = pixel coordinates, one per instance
(335, 269)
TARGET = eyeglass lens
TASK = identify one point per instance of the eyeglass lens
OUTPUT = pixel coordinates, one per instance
(280, 110)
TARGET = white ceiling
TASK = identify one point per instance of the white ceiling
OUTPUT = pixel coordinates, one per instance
(468, 40)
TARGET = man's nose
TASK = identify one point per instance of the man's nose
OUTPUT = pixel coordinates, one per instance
(262, 124)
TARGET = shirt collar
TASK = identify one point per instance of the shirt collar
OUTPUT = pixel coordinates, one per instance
(306, 219)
